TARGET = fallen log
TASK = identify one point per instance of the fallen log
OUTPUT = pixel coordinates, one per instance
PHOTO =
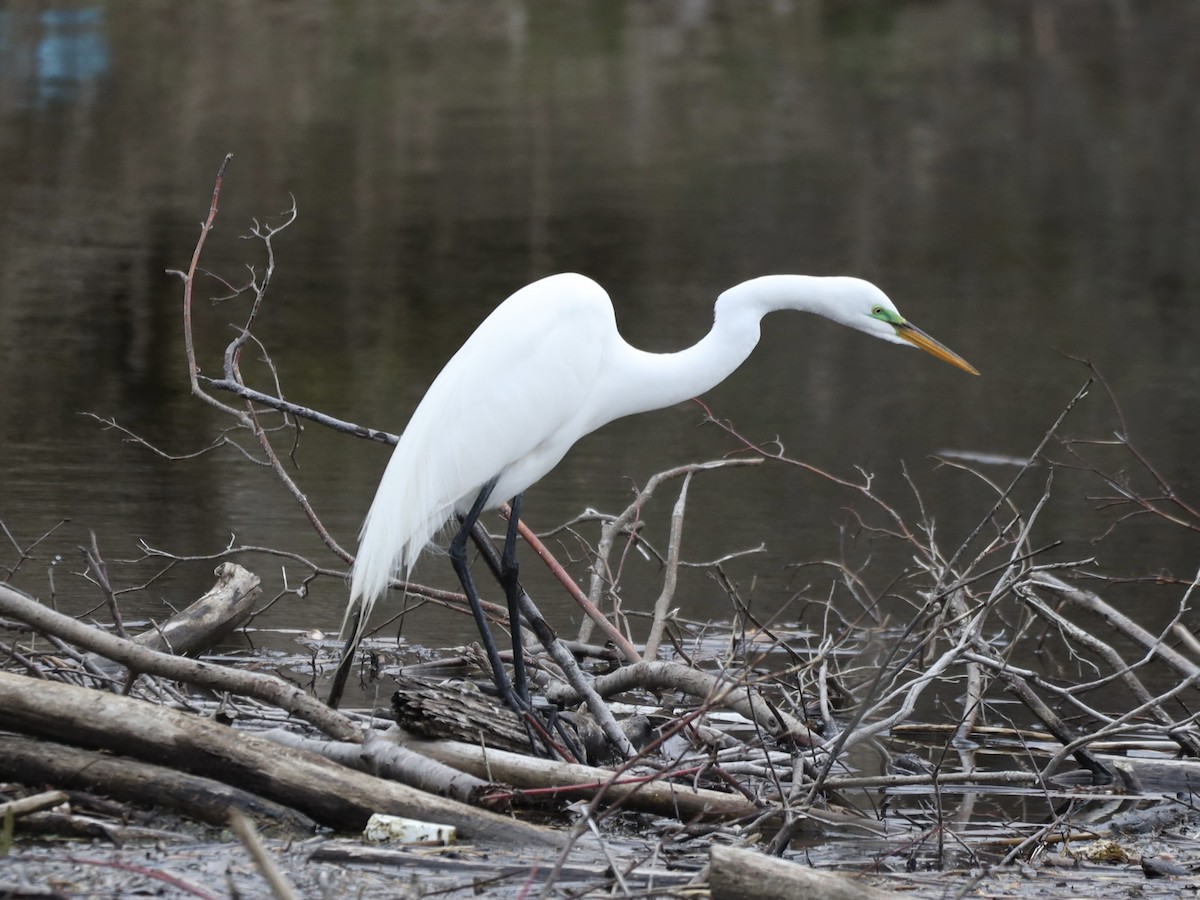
(227, 605)
(458, 711)
(93, 829)
(735, 874)
(32, 761)
(267, 688)
(386, 759)
(332, 795)
(653, 795)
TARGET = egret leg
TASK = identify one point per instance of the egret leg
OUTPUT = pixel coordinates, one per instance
(509, 571)
(458, 559)
(347, 662)
(540, 628)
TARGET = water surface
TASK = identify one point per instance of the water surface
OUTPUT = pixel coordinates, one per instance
(1020, 178)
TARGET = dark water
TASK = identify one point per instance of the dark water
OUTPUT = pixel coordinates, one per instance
(1021, 178)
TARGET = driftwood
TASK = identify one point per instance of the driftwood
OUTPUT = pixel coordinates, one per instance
(458, 711)
(267, 688)
(673, 676)
(226, 606)
(73, 825)
(533, 867)
(735, 874)
(331, 794)
(386, 759)
(35, 803)
(33, 761)
(631, 792)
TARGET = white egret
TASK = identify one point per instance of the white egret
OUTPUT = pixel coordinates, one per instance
(547, 367)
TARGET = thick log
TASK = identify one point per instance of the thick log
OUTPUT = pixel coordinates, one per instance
(227, 605)
(458, 711)
(267, 688)
(386, 759)
(735, 874)
(655, 796)
(331, 794)
(32, 761)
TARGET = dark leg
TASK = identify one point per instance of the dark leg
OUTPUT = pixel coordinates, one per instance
(343, 669)
(458, 559)
(509, 570)
(514, 593)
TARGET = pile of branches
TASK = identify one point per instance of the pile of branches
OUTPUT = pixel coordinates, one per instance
(753, 746)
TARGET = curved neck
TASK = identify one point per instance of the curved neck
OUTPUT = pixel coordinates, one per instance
(639, 381)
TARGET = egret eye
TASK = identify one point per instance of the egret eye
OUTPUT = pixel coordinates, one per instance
(878, 312)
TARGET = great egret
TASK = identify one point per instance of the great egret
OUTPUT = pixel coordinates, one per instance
(547, 367)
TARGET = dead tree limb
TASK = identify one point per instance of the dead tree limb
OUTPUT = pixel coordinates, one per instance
(1116, 619)
(386, 759)
(267, 688)
(226, 606)
(45, 761)
(562, 781)
(736, 874)
(331, 794)
(740, 697)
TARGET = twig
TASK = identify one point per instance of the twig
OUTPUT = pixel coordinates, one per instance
(25, 553)
(100, 573)
(189, 281)
(602, 570)
(670, 574)
(281, 887)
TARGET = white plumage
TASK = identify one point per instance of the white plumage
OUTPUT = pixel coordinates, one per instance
(549, 366)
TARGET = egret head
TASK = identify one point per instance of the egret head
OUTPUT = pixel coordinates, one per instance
(865, 307)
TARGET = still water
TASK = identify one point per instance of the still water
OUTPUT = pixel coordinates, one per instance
(1021, 178)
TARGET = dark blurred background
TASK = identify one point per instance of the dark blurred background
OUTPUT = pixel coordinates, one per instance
(1020, 177)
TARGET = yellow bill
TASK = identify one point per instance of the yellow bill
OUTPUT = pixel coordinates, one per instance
(918, 338)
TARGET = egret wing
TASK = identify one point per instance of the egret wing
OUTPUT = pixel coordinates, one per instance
(507, 406)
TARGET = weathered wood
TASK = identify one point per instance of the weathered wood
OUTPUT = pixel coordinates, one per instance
(31, 804)
(458, 711)
(1093, 603)
(533, 868)
(97, 829)
(114, 831)
(39, 761)
(267, 688)
(386, 759)
(659, 676)
(331, 794)
(227, 605)
(735, 874)
(655, 796)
